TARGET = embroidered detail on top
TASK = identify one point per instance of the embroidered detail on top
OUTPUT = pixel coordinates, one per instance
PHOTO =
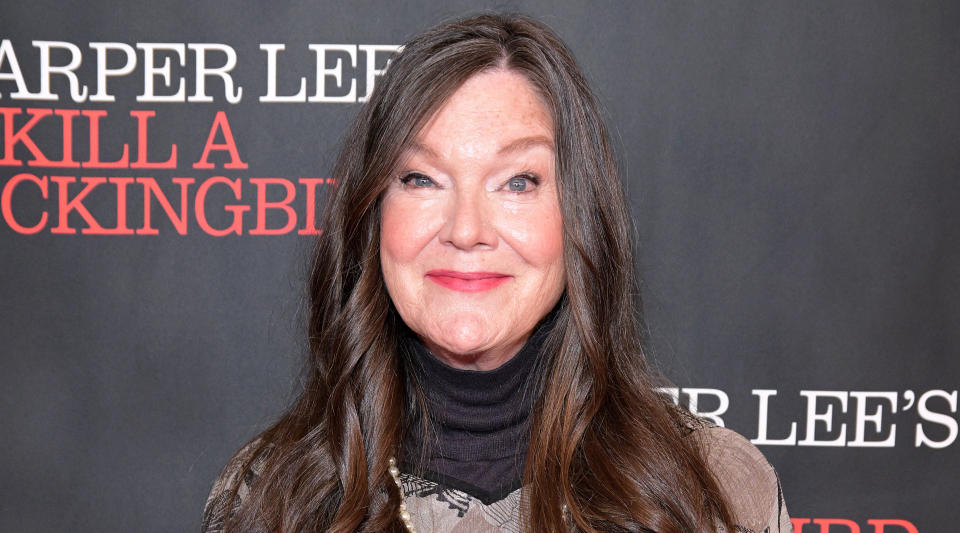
(457, 500)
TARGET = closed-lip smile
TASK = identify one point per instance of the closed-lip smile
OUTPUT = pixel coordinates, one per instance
(467, 281)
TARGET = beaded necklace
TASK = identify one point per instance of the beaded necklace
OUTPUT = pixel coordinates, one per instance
(404, 513)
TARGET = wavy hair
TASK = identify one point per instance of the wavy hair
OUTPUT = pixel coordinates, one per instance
(603, 442)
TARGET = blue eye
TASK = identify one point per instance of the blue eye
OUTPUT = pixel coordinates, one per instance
(416, 179)
(521, 182)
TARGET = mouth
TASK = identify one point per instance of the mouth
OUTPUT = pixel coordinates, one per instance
(467, 281)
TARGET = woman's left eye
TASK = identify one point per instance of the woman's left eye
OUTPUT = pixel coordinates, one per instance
(521, 182)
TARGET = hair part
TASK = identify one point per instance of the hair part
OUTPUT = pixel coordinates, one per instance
(603, 442)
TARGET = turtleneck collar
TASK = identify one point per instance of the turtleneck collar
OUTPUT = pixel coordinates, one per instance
(480, 419)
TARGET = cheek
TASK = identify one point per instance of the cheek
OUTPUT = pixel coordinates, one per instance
(537, 235)
(405, 229)
(393, 249)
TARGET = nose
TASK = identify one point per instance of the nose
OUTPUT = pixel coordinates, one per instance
(469, 223)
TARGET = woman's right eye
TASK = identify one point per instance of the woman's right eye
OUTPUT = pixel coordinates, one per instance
(417, 179)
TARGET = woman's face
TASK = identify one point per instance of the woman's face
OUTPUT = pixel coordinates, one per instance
(471, 235)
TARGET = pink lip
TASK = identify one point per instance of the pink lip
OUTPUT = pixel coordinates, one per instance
(467, 281)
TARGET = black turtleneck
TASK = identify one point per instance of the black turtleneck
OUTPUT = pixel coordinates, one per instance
(480, 420)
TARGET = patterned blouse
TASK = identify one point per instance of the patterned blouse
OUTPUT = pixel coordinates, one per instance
(749, 482)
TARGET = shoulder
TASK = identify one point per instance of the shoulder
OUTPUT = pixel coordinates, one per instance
(232, 486)
(746, 478)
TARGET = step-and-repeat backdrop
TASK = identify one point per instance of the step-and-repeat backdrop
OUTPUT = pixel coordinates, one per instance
(792, 171)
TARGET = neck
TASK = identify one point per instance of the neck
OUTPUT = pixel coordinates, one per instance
(479, 419)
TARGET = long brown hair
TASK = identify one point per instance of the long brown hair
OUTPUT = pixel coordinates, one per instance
(603, 442)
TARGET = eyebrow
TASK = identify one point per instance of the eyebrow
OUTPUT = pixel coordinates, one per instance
(516, 145)
(422, 148)
(525, 143)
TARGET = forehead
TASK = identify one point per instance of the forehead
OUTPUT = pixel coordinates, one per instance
(489, 111)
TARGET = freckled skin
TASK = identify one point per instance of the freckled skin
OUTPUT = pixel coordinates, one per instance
(474, 208)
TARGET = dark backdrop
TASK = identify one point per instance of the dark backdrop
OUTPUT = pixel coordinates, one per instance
(792, 171)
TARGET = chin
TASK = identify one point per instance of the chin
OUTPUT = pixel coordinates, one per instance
(465, 347)
(466, 336)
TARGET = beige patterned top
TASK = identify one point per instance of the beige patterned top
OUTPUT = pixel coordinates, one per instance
(750, 483)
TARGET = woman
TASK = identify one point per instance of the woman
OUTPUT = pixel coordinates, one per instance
(475, 350)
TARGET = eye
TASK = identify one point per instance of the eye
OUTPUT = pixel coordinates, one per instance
(416, 179)
(522, 182)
